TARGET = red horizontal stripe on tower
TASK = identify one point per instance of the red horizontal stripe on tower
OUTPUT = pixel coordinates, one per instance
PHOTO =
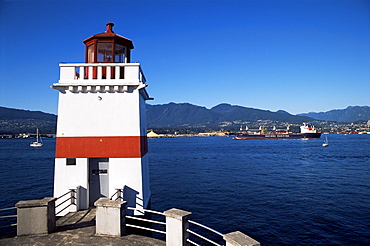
(93, 147)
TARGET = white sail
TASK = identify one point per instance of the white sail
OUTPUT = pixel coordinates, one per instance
(37, 143)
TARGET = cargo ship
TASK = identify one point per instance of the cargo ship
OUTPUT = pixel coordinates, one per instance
(307, 131)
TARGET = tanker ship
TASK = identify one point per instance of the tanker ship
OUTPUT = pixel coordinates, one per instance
(307, 131)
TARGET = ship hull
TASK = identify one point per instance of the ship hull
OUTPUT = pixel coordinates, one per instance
(278, 136)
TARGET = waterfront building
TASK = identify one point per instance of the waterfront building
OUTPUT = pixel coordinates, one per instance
(101, 140)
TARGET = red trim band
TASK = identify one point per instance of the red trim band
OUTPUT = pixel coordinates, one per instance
(93, 147)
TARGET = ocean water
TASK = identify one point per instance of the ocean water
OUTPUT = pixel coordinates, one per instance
(279, 192)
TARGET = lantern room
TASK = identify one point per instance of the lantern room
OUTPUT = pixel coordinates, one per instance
(108, 47)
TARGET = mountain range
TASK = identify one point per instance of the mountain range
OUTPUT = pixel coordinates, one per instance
(185, 115)
(350, 114)
(25, 121)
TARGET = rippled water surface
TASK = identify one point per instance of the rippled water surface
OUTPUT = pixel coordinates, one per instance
(280, 192)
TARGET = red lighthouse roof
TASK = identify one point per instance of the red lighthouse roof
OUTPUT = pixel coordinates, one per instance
(108, 47)
(109, 35)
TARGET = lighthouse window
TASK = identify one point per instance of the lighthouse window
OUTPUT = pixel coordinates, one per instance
(120, 53)
(71, 161)
(105, 52)
(90, 53)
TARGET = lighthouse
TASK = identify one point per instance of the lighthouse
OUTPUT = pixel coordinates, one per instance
(101, 140)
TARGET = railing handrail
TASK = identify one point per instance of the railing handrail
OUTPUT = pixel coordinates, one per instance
(72, 192)
(116, 193)
(206, 227)
(201, 236)
(146, 220)
(64, 202)
(63, 209)
(8, 225)
(145, 210)
(5, 209)
(8, 216)
(163, 223)
(64, 194)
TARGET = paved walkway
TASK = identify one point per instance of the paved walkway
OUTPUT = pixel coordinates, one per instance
(79, 229)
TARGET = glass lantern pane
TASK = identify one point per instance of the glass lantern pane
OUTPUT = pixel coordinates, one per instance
(105, 52)
(120, 53)
(90, 54)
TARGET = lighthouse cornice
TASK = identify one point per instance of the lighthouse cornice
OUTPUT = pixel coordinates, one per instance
(75, 89)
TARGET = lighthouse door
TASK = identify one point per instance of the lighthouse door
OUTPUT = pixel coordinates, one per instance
(98, 177)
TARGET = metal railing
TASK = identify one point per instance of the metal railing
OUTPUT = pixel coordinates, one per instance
(119, 194)
(7, 217)
(163, 231)
(198, 235)
(147, 220)
(194, 232)
(85, 72)
(72, 198)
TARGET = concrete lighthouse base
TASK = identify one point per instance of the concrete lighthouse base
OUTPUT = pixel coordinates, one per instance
(102, 177)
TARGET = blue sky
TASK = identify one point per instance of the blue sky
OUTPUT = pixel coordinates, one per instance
(299, 55)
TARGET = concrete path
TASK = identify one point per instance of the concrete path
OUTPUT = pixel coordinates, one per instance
(79, 229)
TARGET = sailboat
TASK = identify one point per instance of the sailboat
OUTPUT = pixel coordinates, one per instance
(326, 143)
(37, 143)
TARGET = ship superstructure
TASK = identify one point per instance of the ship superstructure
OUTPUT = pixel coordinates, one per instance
(307, 131)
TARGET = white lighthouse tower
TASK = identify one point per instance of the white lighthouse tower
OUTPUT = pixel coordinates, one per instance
(101, 143)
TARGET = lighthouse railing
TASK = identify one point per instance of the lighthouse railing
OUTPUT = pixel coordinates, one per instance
(71, 198)
(201, 237)
(118, 194)
(157, 230)
(177, 226)
(180, 230)
(7, 219)
(89, 73)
